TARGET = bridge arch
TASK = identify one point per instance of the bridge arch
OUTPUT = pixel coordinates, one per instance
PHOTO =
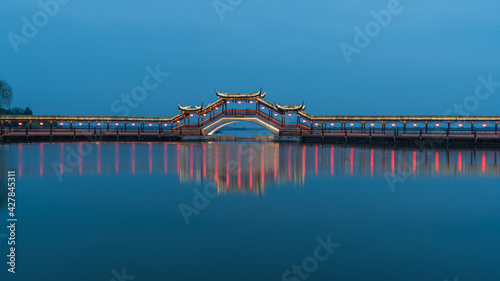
(221, 122)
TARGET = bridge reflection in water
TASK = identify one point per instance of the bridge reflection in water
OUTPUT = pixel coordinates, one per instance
(242, 167)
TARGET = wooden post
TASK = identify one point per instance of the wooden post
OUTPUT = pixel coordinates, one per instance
(426, 126)
(107, 126)
(449, 125)
(496, 128)
(472, 126)
(404, 127)
(70, 125)
(125, 125)
(89, 126)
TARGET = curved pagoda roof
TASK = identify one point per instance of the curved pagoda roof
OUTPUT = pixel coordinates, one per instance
(227, 95)
(190, 108)
(294, 107)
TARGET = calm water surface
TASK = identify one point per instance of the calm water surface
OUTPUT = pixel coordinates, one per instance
(251, 211)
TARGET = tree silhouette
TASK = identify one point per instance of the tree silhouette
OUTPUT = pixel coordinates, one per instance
(5, 94)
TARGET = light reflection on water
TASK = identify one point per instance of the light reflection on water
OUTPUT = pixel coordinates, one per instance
(118, 206)
(244, 166)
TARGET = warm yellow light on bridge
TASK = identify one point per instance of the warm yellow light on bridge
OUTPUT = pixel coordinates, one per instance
(415, 125)
(239, 102)
(263, 108)
(41, 123)
(484, 125)
(216, 108)
(460, 125)
(289, 114)
(98, 124)
(372, 124)
(394, 125)
(133, 124)
(352, 124)
(251, 101)
(150, 124)
(332, 124)
(178, 121)
(303, 121)
(316, 124)
(204, 114)
(20, 124)
(437, 125)
(116, 124)
(79, 124)
(61, 123)
(227, 101)
(191, 115)
(275, 114)
(165, 124)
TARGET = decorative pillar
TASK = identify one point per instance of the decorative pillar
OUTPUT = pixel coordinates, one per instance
(70, 125)
(404, 127)
(30, 125)
(472, 126)
(89, 126)
(125, 125)
(496, 127)
(426, 126)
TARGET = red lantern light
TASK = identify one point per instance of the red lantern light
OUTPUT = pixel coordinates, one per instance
(239, 102)
(484, 125)
(79, 124)
(303, 121)
(227, 101)
(414, 125)
(41, 123)
(437, 125)
(263, 108)
(332, 124)
(133, 124)
(216, 108)
(460, 125)
(20, 124)
(150, 124)
(98, 124)
(372, 124)
(116, 124)
(316, 124)
(61, 123)
(251, 101)
(394, 125)
(289, 114)
(352, 124)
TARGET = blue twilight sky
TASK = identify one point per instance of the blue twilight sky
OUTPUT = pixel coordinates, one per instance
(427, 58)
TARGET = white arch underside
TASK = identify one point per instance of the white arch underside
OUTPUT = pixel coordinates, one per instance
(219, 123)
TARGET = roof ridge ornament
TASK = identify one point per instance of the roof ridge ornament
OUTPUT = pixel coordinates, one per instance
(294, 107)
(190, 108)
(251, 95)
